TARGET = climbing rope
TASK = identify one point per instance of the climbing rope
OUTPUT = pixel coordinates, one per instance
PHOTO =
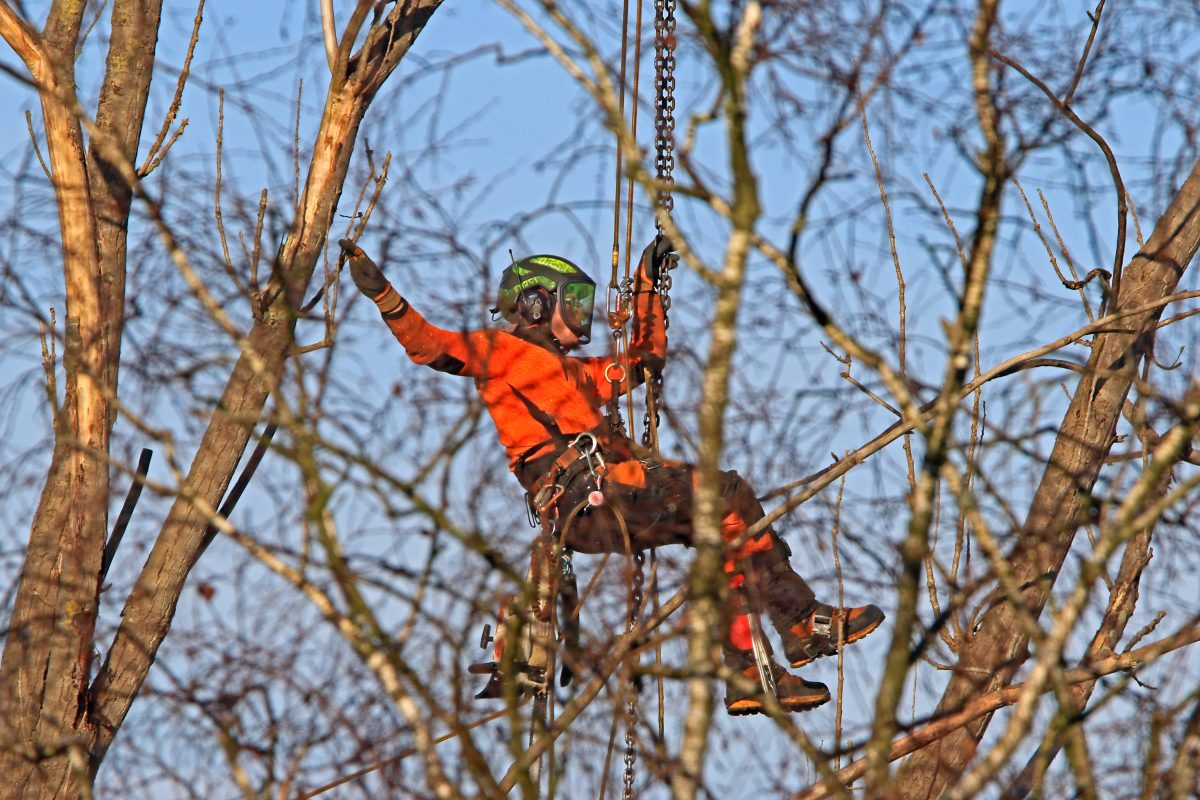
(620, 305)
(620, 291)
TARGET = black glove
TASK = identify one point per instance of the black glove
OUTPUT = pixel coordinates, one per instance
(367, 276)
(655, 255)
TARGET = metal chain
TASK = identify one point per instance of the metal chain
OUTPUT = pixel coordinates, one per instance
(664, 104)
(664, 132)
(630, 740)
(664, 165)
(637, 580)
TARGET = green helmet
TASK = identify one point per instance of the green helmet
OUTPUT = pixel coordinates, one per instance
(553, 282)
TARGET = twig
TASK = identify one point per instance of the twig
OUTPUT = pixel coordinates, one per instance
(1062, 246)
(256, 255)
(37, 150)
(841, 604)
(152, 162)
(49, 362)
(1137, 225)
(1037, 229)
(217, 185)
(891, 230)
(380, 180)
(1087, 48)
(855, 382)
(1146, 630)
(1114, 170)
(962, 255)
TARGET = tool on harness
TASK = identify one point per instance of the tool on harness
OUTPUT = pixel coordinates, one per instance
(762, 656)
(589, 451)
(581, 453)
(527, 624)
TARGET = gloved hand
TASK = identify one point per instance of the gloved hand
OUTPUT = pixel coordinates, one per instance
(367, 276)
(655, 255)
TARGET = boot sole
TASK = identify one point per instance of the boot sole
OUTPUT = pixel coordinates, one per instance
(744, 708)
(849, 640)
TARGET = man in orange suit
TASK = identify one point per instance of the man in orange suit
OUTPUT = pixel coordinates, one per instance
(547, 407)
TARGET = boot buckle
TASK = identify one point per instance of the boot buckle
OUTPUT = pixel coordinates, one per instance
(822, 625)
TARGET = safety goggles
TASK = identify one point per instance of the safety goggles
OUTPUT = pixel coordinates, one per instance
(576, 300)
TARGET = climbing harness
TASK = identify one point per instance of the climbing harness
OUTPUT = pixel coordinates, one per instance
(551, 573)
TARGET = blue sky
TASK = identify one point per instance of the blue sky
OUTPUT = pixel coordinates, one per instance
(496, 121)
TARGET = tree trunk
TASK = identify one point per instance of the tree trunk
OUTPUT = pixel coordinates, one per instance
(150, 607)
(47, 654)
(992, 656)
(58, 729)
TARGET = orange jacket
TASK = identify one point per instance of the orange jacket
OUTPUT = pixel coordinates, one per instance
(532, 393)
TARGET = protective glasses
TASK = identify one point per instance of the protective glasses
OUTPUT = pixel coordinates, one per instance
(576, 300)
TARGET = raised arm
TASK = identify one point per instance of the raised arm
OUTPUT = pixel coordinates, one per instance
(648, 330)
(455, 352)
(648, 333)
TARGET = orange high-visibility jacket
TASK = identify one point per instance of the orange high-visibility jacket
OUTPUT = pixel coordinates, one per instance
(532, 394)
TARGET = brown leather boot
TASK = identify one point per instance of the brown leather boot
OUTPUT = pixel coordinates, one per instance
(817, 634)
(793, 693)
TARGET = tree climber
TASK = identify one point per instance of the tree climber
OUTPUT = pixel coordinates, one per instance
(542, 400)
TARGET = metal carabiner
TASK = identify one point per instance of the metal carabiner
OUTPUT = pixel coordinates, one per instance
(589, 449)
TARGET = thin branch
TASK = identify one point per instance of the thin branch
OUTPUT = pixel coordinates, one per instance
(152, 162)
(1114, 170)
(1037, 229)
(329, 33)
(1087, 48)
(993, 701)
(36, 149)
(1062, 246)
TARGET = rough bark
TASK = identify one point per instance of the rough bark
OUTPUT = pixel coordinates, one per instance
(991, 657)
(47, 654)
(57, 729)
(120, 115)
(148, 611)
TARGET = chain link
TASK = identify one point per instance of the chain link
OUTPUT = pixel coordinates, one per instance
(630, 740)
(664, 103)
(664, 165)
(637, 581)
